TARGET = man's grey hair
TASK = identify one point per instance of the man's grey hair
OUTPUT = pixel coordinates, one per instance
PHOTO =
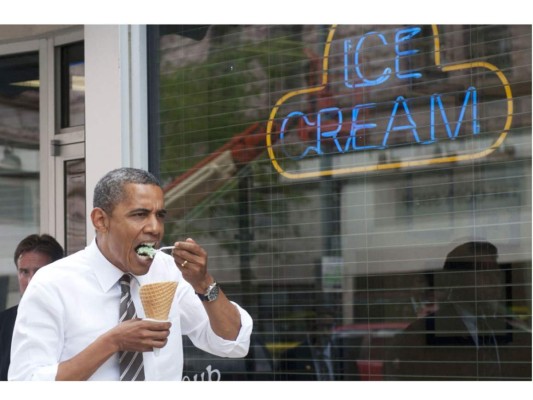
(109, 190)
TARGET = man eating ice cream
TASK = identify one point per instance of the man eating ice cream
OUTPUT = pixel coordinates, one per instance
(71, 324)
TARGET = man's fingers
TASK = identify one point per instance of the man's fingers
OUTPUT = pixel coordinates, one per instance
(160, 343)
(159, 335)
(157, 325)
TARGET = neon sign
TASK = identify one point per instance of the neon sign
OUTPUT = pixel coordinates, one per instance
(357, 126)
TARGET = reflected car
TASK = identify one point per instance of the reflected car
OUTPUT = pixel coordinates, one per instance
(360, 349)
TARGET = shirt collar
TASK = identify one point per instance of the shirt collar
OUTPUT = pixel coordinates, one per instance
(106, 273)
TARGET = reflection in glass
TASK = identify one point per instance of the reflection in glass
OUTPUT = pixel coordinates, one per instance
(227, 93)
(19, 153)
(467, 336)
(72, 85)
(75, 205)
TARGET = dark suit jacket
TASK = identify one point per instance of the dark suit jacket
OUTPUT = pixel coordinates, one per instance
(440, 347)
(7, 323)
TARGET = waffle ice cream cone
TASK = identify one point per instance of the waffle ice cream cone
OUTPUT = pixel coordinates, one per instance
(157, 299)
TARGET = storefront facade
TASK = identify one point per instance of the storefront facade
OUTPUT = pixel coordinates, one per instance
(328, 170)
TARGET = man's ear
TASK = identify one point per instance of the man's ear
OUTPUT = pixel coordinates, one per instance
(100, 220)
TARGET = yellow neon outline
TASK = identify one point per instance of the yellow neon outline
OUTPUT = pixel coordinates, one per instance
(401, 164)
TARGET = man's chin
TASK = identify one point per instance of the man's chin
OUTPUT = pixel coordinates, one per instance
(141, 267)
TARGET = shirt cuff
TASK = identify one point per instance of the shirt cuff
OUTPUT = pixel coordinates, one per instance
(238, 347)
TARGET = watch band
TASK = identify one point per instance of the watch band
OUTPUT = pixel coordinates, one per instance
(211, 294)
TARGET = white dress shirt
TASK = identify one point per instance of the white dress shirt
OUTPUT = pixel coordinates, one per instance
(71, 302)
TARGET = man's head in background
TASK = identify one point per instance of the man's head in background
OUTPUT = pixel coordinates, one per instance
(32, 253)
(473, 278)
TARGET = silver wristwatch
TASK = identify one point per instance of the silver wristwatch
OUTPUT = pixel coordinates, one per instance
(211, 294)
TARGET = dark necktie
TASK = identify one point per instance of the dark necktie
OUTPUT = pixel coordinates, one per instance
(489, 355)
(131, 362)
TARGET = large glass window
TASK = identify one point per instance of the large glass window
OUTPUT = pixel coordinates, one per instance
(19, 159)
(364, 191)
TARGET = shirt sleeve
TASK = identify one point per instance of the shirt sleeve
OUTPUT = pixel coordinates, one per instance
(195, 324)
(37, 336)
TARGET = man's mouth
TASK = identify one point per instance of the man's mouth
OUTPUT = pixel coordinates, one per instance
(146, 250)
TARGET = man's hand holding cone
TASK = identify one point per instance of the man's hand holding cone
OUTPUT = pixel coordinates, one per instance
(157, 299)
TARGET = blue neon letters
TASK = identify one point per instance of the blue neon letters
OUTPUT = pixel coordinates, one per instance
(329, 121)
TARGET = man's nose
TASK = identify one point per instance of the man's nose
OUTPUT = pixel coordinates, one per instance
(153, 225)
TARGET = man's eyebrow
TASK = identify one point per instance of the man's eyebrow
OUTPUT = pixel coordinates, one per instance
(162, 211)
(136, 210)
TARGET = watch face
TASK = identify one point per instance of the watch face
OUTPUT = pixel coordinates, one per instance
(212, 294)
